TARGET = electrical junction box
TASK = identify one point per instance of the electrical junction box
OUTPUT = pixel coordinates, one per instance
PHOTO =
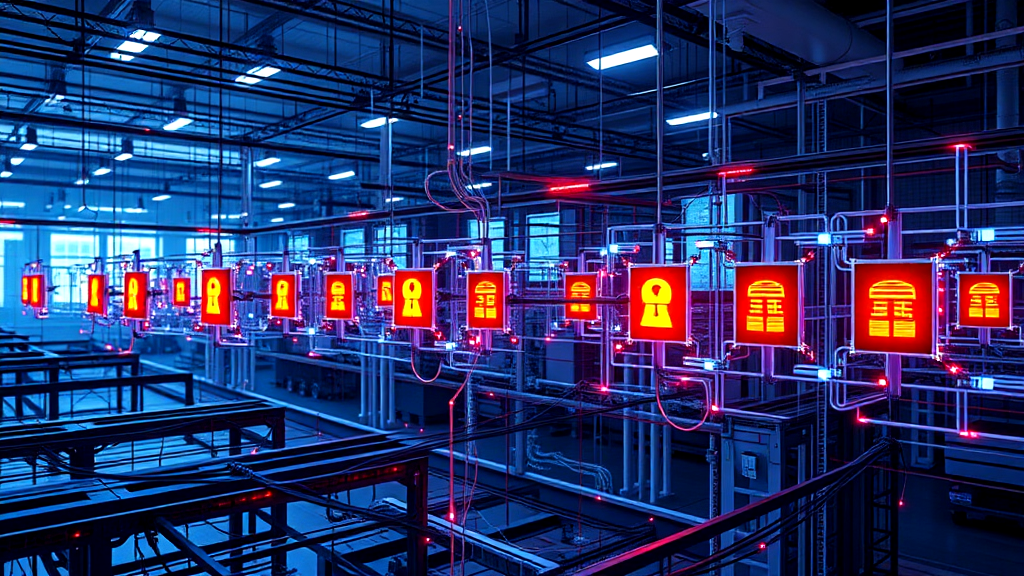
(748, 465)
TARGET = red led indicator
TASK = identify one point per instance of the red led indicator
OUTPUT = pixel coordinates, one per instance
(894, 308)
(136, 295)
(414, 298)
(284, 296)
(181, 292)
(385, 291)
(340, 296)
(768, 304)
(581, 287)
(97, 298)
(659, 303)
(485, 301)
(216, 302)
(984, 299)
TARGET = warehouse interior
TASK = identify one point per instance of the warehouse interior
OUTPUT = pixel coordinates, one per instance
(516, 287)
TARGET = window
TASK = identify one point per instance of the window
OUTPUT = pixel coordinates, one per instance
(125, 245)
(69, 255)
(202, 244)
(695, 213)
(298, 244)
(394, 244)
(4, 237)
(496, 232)
(353, 242)
(542, 250)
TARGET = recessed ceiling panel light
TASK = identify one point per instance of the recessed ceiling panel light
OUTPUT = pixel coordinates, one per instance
(342, 175)
(475, 150)
(177, 124)
(624, 57)
(268, 161)
(690, 119)
(271, 184)
(286, 205)
(101, 171)
(378, 122)
(277, 220)
(602, 166)
(161, 197)
(17, 160)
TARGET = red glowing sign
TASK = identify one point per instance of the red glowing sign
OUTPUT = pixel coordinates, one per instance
(659, 303)
(217, 302)
(485, 301)
(340, 296)
(894, 307)
(96, 303)
(581, 287)
(33, 290)
(414, 298)
(182, 292)
(985, 300)
(768, 304)
(136, 295)
(284, 296)
(385, 290)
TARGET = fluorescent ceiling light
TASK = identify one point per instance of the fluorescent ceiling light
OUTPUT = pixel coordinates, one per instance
(268, 161)
(10, 204)
(145, 35)
(135, 210)
(67, 206)
(81, 181)
(17, 160)
(123, 156)
(378, 122)
(475, 150)
(161, 197)
(394, 199)
(271, 184)
(286, 205)
(177, 124)
(701, 117)
(602, 166)
(277, 220)
(29, 146)
(62, 217)
(624, 57)
(342, 175)
(122, 57)
(6, 174)
(131, 47)
(481, 185)
(102, 171)
(257, 74)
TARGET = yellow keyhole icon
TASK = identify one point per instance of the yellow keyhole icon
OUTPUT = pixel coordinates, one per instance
(94, 294)
(133, 294)
(338, 296)
(180, 292)
(282, 296)
(213, 296)
(656, 294)
(412, 291)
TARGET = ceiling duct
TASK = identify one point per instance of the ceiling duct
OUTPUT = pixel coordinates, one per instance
(803, 28)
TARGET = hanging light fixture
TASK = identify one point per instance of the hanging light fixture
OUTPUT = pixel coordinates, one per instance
(31, 140)
(181, 112)
(127, 150)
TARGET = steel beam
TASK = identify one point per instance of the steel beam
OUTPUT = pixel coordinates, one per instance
(189, 548)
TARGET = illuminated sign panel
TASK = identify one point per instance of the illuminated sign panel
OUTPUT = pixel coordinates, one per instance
(414, 298)
(984, 300)
(340, 296)
(97, 302)
(768, 304)
(659, 303)
(136, 295)
(581, 287)
(485, 301)
(894, 307)
(182, 295)
(385, 291)
(284, 296)
(33, 290)
(216, 302)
